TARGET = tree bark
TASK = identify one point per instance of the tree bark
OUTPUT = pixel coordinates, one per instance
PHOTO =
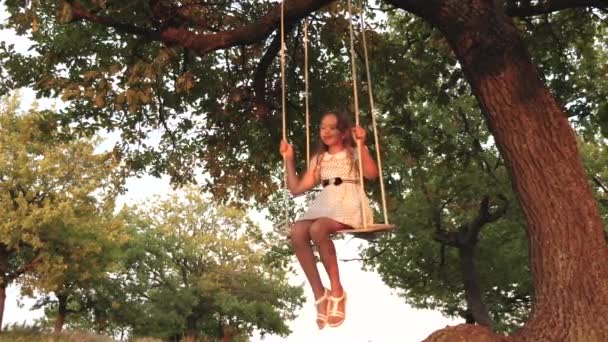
(2, 302)
(62, 310)
(190, 336)
(472, 291)
(4, 281)
(566, 238)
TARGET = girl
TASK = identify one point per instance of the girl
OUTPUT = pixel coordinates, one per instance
(337, 207)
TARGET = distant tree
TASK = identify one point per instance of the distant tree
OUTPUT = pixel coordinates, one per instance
(56, 202)
(193, 268)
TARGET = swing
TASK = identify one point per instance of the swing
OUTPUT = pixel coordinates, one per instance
(367, 230)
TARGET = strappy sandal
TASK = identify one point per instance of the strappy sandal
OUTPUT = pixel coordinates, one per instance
(322, 318)
(334, 311)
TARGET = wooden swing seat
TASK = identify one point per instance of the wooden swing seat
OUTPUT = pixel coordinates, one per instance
(372, 228)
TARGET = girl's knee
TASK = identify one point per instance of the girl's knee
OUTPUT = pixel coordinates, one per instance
(319, 231)
(299, 235)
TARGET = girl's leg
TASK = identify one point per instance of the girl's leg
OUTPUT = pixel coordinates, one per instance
(320, 232)
(300, 240)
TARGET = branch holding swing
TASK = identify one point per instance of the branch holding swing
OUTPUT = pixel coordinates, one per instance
(202, 44)
(80, 12)
(259, 78)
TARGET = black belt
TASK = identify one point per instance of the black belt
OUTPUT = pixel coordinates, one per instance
(337, 181)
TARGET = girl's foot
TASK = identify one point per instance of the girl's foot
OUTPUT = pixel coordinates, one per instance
(336, 310)
(321, 304)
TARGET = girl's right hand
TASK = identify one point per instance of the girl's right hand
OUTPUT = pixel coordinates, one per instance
(286, 150)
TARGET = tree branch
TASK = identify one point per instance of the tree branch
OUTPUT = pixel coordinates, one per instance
(599, 183)
(471, 231)
(294, 10)
(549, 6)
(373, 256)
(259, 78)
(79, 12)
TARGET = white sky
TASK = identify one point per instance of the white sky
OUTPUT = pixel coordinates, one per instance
(374, 312)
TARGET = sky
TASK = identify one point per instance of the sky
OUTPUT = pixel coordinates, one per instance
(375, 313)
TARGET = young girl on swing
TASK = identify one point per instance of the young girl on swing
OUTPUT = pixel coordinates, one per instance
(337, 207)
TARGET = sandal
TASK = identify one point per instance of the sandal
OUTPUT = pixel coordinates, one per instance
(322, 318)
(334, 311)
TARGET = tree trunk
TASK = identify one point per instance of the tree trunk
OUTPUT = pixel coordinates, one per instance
(62, 311)
(472, 290)
(4, 281)
(566, 238)
(190, 336)
(2, 302)
(227, 337)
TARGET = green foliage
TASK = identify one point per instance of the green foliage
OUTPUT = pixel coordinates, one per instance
(201, 111)
(56, 199)
(570, 48)
(56, 194)
(192, 266)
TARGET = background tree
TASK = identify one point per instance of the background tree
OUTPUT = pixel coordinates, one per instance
(55, 193)
(89, 252)
(193, 269)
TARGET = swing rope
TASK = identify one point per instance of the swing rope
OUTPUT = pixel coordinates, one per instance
(386, 224)
(356, 102)
(372, 107)
(306, 94)
(283, 114)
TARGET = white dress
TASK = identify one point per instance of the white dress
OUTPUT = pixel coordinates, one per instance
(339, 202)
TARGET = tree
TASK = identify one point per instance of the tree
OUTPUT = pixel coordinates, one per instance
(89, 254)
(55, 193)
(528, 124)
(446, 164)
(460, 231)
(192, 269)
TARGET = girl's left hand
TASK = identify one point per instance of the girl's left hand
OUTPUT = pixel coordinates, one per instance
(359, 134)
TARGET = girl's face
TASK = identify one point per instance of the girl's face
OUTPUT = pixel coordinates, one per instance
(330, 133)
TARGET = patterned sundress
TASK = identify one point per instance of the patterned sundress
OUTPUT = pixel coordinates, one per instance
(339, 202)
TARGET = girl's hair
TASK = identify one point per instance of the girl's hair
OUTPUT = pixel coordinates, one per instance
(344, 126)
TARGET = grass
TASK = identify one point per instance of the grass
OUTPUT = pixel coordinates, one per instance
(23, 333)
(35, 336)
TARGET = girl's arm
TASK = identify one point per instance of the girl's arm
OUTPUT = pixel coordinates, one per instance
(370, 169)
(295, 184)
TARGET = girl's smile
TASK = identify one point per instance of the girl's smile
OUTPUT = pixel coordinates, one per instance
(330, 133)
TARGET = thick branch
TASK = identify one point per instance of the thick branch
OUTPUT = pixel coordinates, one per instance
(552, 6)
(426, 9)
(79, 12)
(484, 216)
(205, 43)
(259, 79)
